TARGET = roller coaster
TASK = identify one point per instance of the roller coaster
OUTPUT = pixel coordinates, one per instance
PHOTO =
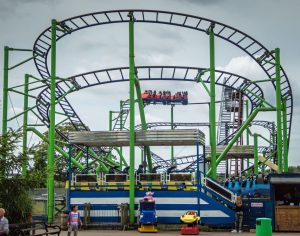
(227, 153)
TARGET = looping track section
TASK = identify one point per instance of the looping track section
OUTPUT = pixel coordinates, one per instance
(145, 73)
(234, 36)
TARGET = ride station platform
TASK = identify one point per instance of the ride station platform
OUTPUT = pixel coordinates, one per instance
(173, 196)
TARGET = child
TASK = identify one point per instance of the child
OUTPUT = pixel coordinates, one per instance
(73, 221)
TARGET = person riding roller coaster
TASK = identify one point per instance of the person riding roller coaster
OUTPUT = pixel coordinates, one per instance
(165, 97)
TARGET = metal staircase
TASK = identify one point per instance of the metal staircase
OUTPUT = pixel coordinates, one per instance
(236, 165)
(224, 125)
(230, 119)
(120, 120)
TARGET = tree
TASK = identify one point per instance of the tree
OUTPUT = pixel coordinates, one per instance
(10, 160)
(14, 195)
(40, 155)
(294, 169)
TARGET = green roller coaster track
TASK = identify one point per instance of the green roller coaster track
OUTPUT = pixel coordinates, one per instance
(54, 91)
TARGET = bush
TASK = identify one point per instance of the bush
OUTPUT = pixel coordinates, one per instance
(15, 198)
(14, 194)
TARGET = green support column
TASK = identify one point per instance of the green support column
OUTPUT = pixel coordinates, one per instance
(131, 118)
(5, 95)
(278, 111)
(255, 154)
(172, 127)
(247, 131)
(263, 166)
(142, 156)
(143, 120)
(5, 91)
(244, 126)
(285, 138)
(57, 148)
(212, 106)
(110, 121)
(51, 147)
(121, 128)
(110, 128)
(25, 117)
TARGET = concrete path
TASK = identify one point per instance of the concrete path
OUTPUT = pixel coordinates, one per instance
(164, 233)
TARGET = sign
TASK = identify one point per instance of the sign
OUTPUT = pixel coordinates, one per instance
(257, 204)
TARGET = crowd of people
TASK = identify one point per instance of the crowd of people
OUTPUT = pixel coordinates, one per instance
(241, 181)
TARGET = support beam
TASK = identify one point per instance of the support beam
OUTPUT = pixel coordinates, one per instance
(142, 156)
(143, 120)
(25, 118)
(69, 174)
(285, 138)
(172, 127)
(121, 128)
(4, 102)
(5, 91)
(102, 166)
(244, 126)
(122, 159)
(51, 147)
(255, 136)
(247, 131)
(212, 105)
(110, 120)
(268, 163)
(78, 156)
(22, 62)
(278, 110)
(262, 100)
(131, 118)
(57, 148)
(199, 79)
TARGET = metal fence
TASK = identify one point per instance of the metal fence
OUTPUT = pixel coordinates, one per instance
(105, 215)
(39, 197)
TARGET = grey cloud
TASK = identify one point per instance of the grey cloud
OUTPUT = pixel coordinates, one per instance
(201, 2)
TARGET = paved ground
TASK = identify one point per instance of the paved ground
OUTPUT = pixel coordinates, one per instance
(165, 233)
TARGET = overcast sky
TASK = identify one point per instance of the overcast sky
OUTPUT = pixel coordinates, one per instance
(274, 23)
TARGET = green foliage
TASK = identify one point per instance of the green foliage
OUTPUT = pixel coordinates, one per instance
(15, 198)
(39, 157)
(10, 160)
(14, 195)
(38, 160)
(294, 169)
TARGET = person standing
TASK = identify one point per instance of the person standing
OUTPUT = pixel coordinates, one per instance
(238, 215)
(74, 221)
(4, 226)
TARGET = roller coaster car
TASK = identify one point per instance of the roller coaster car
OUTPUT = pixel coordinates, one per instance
(252, 187)
(147, 219)
(192, 219)
(164, 97)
